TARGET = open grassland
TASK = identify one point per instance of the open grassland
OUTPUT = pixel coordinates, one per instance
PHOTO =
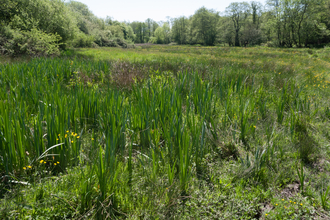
(166, 132)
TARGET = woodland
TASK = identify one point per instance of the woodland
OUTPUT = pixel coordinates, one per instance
(44, 27)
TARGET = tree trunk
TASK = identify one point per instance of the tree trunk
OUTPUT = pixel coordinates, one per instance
(236, 38)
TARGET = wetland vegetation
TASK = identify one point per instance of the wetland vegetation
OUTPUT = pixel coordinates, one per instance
(166, 132)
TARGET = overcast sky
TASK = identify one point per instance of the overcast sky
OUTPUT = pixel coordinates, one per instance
(140, 10)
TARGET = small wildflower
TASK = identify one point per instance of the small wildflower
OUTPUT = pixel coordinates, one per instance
(67, 131)
(294, 203)
(41, 161)
(29, 167)
(300, 203)
(254, 126)
(266, 214)
(59, 134)
(24, 168)
(285, 207)
(58, 162)
(57, 139)
(66, 136)
(71, 141)
(92, 139)
(276, 204)
(290, 201)
(44, 161)
(78, 137)
(55, 164)
(282, 199)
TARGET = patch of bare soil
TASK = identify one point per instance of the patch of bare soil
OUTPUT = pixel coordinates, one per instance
(290, 190)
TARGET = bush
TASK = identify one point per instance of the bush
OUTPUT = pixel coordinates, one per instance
(83, 40)
(34, 42)
(6, 36)
(38, 43)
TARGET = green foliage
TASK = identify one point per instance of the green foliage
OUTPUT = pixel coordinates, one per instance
(205, 26)
(83, 40)
(187, 132)
(37, 43)
(301, 176)
(238, 12)
(324, 198)
(180, 30)
(159, 36)
(33, 42)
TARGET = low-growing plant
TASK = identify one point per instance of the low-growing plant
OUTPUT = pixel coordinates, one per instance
(324, 197)
(301, 176)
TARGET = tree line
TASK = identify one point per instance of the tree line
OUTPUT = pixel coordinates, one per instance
(279, 23)
(43, 27)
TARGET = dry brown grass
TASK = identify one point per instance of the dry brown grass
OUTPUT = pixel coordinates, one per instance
(124, 74)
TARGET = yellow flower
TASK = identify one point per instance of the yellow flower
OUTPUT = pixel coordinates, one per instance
(276, 204)
(66, 136)
(59, 134)
(29, 167)
(300, 203)
(55, 164)
(266, 214)
(57, 139)
(92, 139)
(58, 162)
(282, 199)
(24, 168)
(67, 131)
(78, 137)
(41, 161)
(71, 141)
(254, 126)
(45, 162)
(294, 203)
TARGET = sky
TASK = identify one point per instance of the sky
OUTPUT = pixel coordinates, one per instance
(140, 10)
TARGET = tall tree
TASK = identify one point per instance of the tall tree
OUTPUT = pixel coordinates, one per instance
(180, 30)
(205, 26)
(238, 12)
(256, 8)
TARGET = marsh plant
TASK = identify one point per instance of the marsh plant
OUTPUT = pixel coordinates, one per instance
(182, 132)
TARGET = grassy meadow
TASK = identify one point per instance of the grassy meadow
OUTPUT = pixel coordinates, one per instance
(166, 132)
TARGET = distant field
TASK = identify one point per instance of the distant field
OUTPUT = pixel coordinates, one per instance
(166, 132)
